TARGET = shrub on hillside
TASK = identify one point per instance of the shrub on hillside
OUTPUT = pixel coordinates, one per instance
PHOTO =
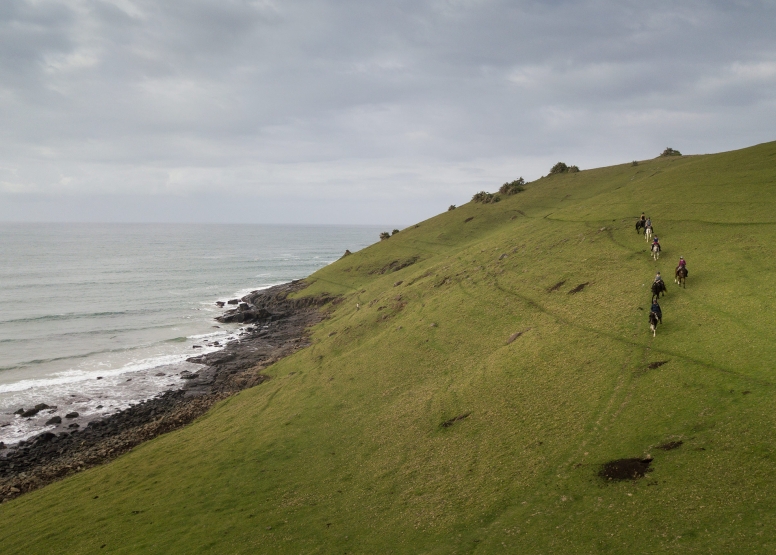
(671, 152)
(452, 207)
(394, 232)
(573, 169)
(512, 188)
(635, 163)
(560, 167)
(486, 198)
(385, 235)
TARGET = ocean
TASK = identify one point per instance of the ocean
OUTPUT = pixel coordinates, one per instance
(95, 317)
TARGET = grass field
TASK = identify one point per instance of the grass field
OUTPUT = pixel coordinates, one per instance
(343, 451)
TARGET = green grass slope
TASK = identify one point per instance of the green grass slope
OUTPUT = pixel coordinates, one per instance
(343, 450)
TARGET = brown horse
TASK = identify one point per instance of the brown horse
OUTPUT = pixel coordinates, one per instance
(680, 276)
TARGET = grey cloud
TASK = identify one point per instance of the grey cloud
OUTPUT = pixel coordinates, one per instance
(347, 100)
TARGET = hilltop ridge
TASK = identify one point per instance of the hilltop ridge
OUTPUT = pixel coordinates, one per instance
(478, 371)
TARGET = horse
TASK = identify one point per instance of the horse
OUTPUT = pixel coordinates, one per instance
(648, 232)
(653, 322)
(655, 251)
(680, 276)
(657, 288)
(639, 225)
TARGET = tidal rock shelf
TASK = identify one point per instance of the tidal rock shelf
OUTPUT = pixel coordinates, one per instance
(277, 327)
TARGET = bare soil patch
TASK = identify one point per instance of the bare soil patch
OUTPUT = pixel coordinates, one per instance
(556, 286)
(579, 288)
(448, 423)
(625, 469)
(668, 446)
(657, 364)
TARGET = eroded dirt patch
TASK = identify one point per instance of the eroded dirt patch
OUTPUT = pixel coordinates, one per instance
(579, 288)
(656, 364)
(625, 469)
(516, 335)
(556, 286)
(467, 220)
(668, 446)
(448, 423)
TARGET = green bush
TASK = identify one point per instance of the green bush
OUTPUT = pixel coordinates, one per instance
(671, 152)
(385, 235)
(486, 198)
(560, 167)
(573, 169)
(394, 232)
(635, 163)
(512, 188)
(452, 207)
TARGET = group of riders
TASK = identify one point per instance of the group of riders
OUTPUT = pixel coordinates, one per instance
(658, 285)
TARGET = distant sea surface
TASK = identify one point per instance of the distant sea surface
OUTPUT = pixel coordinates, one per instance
(126, 304)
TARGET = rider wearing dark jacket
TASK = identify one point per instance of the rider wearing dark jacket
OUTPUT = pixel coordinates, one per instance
(656, 241)
(656, 309)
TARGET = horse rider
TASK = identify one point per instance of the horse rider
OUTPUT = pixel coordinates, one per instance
(682, 264)
(658, 278)
(656, 241)
(643, 217)
(648, 223)
(656, 309)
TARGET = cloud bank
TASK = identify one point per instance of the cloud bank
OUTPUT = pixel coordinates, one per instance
(356, 112)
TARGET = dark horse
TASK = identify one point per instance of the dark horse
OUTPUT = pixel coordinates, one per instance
(653, 320)
(680, 276)
(657, 288)
(640, 225)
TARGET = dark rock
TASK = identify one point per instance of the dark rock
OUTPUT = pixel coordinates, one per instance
(71, 415)
(160, 374)
(99, 377)
(243, 306)
(45, 437)
(233, 301)
(74, 425)
(42, 406)
(30, 412)
(220, 304)
(99, 406)
(2, 445)
(19, 411)
(196, 346)
(54, 420)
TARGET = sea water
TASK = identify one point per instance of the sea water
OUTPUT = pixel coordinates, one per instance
(95, 317)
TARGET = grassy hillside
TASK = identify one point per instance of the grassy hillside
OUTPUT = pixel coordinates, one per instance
(343, 450)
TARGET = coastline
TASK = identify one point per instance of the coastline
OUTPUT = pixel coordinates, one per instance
(276, 327)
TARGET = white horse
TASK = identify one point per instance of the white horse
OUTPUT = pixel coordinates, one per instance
(655, 251)
(648, 232)
(653, 323)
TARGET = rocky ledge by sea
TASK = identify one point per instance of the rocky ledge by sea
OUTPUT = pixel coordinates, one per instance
(275, 327)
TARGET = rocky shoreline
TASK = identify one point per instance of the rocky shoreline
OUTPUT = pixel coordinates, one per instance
(276, 327)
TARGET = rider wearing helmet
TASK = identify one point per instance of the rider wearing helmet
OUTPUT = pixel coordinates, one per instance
(682, 264)
(648, 223)
(643, 217)
(658, 278)
(656, 241)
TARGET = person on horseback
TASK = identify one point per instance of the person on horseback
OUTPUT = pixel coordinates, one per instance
(656, 309)
(648, 222)
(643, 217)
(658, 278)
(656, 241)
(682, 265)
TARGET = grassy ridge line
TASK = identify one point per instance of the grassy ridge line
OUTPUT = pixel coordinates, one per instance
(343, 450)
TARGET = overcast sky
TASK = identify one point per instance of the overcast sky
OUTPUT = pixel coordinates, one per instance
(317, 111)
